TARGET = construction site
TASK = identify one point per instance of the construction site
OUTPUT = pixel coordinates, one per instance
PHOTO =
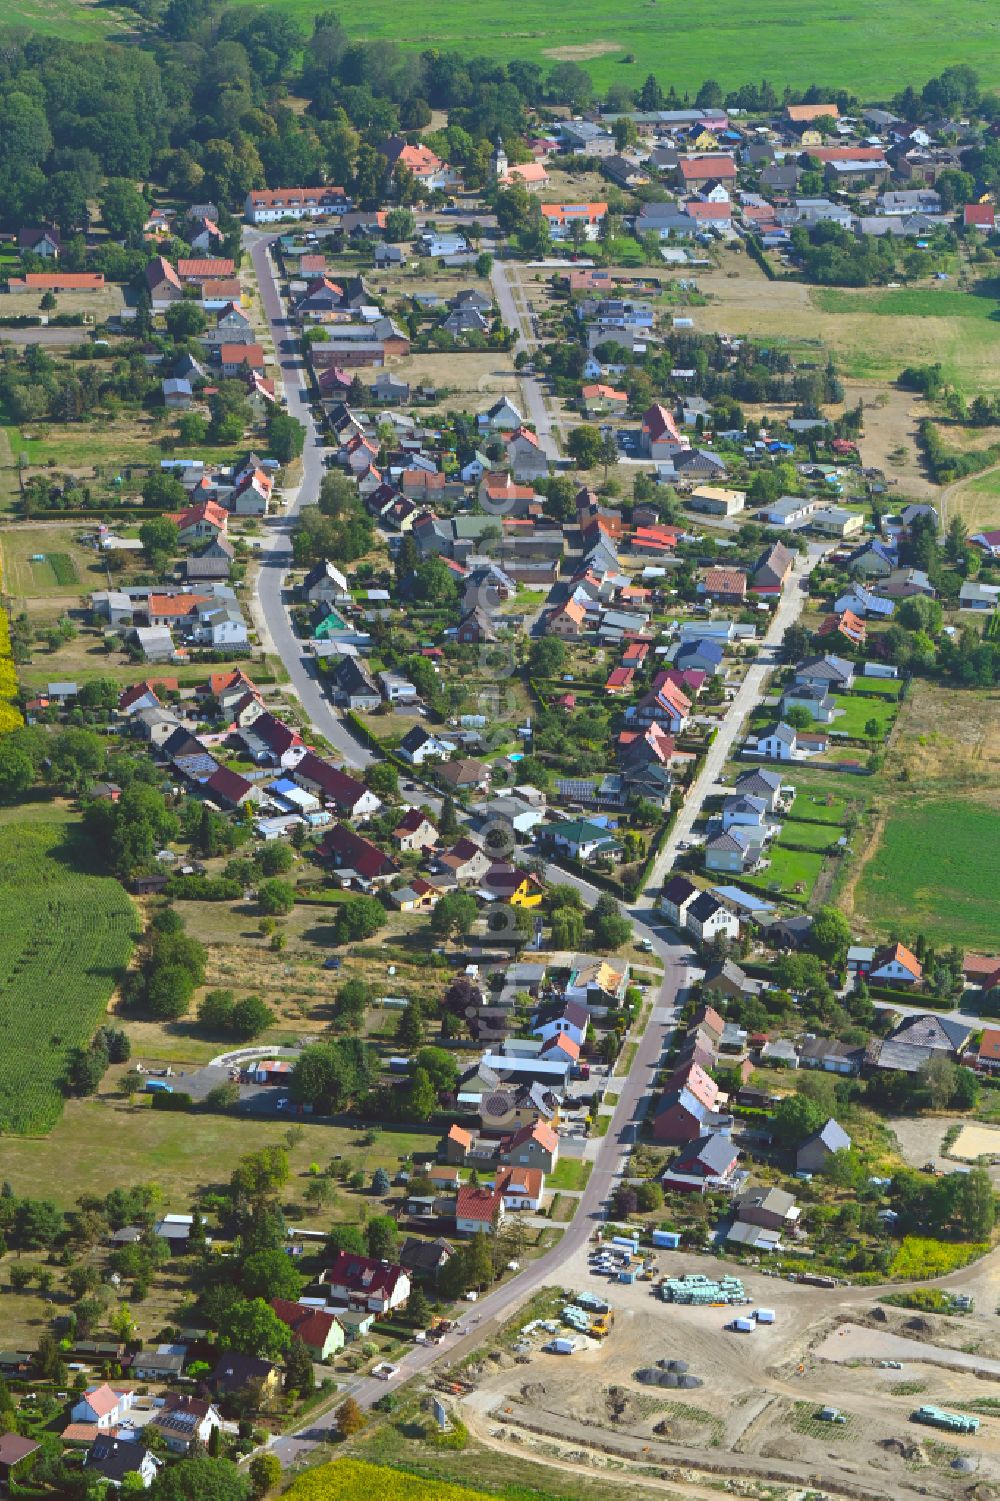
(671, 1371)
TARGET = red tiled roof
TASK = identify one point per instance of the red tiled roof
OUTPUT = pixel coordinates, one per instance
(228, 785)
(725, 581)
(355, 852)
(363, 1275)
(989, 1048)
(241, 354)
(335, 784)
(69, 281)
(205, 269)
(176, 605)
(695, 168)
(848, 154)
(475, 1202)
(276, 735)
(312, 1325)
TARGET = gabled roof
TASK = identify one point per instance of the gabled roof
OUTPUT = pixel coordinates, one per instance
(312, 1325)
(342, 789)
(678, 890)
(832, 1135)
(363, 1275)
(714, 1152)
(477, 1203)
(357, 853)
(897, 953)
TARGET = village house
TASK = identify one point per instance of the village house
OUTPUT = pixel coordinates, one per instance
(183, 1421)
(815, 1152)
(358, 861)
(320, 1332)
(706, 1164)
(378, 1286)
(478, 1208)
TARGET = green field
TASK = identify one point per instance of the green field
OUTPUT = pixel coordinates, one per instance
(912, 302)
(936, 870)
(65, 938)
(813, 836)
(855, 714)
(873, 50)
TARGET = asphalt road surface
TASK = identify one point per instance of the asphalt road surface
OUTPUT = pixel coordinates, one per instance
(537, 413)
(271, 610)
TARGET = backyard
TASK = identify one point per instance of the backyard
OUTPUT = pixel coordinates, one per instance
(861, 717)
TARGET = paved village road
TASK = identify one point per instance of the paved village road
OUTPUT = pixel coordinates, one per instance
(749, 695)
(511, 316)
(485, 1315)
(636, 1088)
(271, 610)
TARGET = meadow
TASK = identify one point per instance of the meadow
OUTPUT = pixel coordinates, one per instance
(858, 48)
(977, 501)
(190, 1154)
(65, 939)
(872, 334)
(936, 870)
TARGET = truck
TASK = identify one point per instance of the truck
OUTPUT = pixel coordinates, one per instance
(764, 1315)
(560, 1347)
(741, 1326)
(157, 1086)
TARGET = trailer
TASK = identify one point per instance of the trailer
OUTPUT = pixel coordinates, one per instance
(741, 1326)
(952, 1422)
(764, 1315)
(667, 1240)
(560, 1347)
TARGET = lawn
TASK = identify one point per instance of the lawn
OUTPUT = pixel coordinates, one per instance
(856, 49)
(818, 807)
(935, 870)
(65, 938)
(791, 872)
(871, 335)
(813, 836)
(878, 687)
(571, 1173)
(854, 714)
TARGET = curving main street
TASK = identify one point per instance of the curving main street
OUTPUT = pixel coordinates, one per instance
(636, 1088)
